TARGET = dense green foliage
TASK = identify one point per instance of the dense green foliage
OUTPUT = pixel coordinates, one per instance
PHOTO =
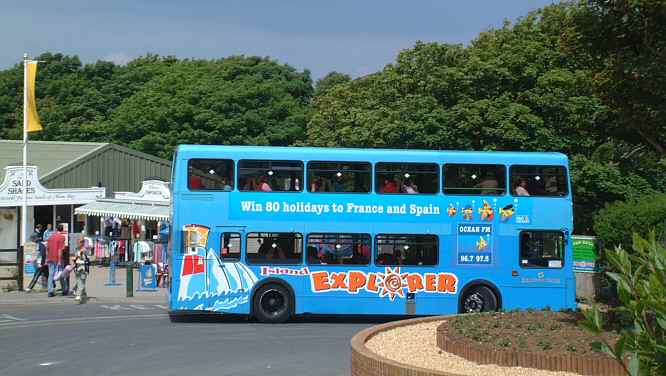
(640, 279)
(625, 44)
(549, 82)
(152, 104)
(615, 224)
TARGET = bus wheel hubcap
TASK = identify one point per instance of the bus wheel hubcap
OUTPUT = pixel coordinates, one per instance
(272, 301)
(474, 303)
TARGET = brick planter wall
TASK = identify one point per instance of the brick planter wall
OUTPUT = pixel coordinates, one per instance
(510, 358)
(366, 363)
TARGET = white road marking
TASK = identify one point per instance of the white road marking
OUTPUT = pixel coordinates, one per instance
(116, 307)
(138, 306)
(160, 306)
(49, 363)
(75, 320)
(9, 318)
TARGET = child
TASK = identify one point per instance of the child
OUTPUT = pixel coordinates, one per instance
(81, 265)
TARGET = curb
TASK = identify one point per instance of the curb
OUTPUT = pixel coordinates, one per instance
(510, 358)
(366, 363)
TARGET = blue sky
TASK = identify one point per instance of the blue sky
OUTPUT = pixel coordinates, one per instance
(354, 37)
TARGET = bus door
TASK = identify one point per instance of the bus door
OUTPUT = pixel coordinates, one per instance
(226, 277)
(541, 268)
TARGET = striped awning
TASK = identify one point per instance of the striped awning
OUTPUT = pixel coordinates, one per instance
(126, 209)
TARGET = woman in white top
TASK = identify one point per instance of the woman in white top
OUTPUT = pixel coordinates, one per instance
(521, 189)
(409, 188)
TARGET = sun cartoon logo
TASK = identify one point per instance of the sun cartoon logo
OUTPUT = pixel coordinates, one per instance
(392, 283)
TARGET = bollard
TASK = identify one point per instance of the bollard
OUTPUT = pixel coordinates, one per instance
(130, 280)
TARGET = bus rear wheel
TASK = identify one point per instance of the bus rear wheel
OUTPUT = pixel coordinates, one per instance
(479, 299)
(272, 304)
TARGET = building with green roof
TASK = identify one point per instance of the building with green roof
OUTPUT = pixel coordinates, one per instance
(61, 177)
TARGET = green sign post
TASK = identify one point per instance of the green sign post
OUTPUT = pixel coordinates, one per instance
(584, 253)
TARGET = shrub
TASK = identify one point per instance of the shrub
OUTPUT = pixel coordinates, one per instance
(640, 280)
(615, 224)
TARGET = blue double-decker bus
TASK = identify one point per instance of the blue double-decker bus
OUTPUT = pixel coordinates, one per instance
(275, 232)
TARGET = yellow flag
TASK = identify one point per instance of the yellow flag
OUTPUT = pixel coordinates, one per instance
(33, 118)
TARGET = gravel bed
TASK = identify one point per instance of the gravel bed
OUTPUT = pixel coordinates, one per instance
(421, 342)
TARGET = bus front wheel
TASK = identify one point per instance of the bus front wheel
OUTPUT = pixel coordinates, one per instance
(479, 299)
(272, 304)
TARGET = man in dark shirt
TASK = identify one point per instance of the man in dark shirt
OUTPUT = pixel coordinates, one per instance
(40, 265)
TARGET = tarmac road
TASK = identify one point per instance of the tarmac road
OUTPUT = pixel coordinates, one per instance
(139, 339)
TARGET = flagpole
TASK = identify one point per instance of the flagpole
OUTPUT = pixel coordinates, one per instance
(24, 211)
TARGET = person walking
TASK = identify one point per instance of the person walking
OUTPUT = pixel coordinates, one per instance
(54, 248)
(40, 263)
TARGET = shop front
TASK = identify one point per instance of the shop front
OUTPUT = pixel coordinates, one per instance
(44, 207)
(130, 228)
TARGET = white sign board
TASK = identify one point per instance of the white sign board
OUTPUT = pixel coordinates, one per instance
(11, 190)
(151, 190)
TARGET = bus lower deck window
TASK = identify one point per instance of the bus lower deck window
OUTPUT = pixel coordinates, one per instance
(210, 174)
(274, 248)
(407, 178)
(474, 179)
(270, 176)
(541, 249)
(339, 177)
(332, 249)
(538, 180)
(231, 246)
(415, 250)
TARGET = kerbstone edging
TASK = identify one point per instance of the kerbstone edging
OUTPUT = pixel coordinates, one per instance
(510, 358)
(364, 362)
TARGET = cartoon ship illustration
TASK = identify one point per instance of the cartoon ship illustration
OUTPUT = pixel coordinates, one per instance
(229, 283)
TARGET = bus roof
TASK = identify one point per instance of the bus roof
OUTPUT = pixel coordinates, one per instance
(368, 154)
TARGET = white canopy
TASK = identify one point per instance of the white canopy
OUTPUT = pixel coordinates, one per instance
(126, 209)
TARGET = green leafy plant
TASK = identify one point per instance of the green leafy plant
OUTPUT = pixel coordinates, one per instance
(522, 342)
(504, 342)
(545, 345)
(640, 278)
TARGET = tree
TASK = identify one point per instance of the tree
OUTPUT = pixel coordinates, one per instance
(236, 100)
(327, 82)
(625, 43)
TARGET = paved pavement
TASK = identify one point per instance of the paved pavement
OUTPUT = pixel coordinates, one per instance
(97, 288)
(139, 339)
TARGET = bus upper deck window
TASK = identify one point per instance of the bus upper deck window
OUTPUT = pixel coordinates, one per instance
(210, 174)
(270, 176)
(407, 178)
(474, 179)
(339, 177)
(538, 180)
